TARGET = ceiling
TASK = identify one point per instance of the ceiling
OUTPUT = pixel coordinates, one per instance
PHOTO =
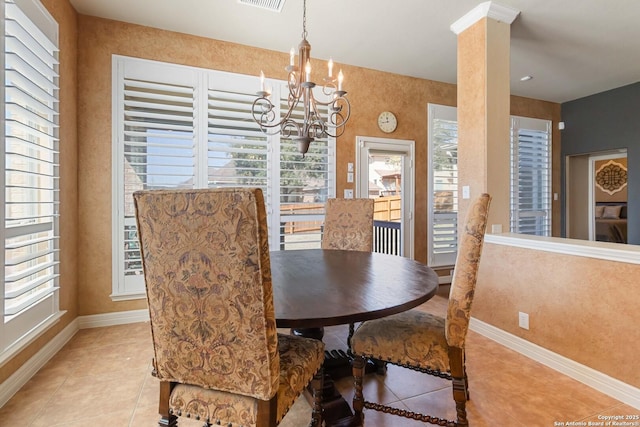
(572, 48)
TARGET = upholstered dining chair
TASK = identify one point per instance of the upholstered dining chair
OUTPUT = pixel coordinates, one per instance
(217, 352)
(425, 342)
(348, 226)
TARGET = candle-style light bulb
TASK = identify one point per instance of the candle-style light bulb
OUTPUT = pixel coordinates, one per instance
(330, 64)
(340, 79)
(307, 70)
(292, 55)
(261, 81)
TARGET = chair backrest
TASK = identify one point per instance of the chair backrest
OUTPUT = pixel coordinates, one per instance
(465, 273)
(207, 272)
(348, 225)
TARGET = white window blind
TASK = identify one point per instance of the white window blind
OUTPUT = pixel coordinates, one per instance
(304, 184)
(31, 172)
(183, 127)
(530, 176)
(443, 185)
(530, 183)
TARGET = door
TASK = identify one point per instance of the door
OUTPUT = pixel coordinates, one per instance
(385, 172)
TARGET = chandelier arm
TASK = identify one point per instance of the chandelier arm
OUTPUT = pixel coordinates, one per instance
(294, 82)
(317, 128)
(337, 120)
(286, 128)
(263, 113)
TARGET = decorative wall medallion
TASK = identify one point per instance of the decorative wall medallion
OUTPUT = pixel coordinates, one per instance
(611, 177)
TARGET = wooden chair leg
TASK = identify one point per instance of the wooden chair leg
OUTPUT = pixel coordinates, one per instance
(352, 329)
(166, 419)
(358, 398)
(317, 385)
(267, 412)
(459, 382)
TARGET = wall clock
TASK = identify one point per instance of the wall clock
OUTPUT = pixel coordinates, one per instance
(387, 122)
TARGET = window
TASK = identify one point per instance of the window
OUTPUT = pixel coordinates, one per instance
(183, 127)
(530, 184)
(530, 176)
(443, 185)
(30, 174)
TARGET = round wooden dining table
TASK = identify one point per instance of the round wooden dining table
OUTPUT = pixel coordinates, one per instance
(314, 288)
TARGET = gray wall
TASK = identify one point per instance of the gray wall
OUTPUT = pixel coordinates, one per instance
(606, 121)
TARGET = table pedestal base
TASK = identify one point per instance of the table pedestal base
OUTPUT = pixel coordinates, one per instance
(337, 364)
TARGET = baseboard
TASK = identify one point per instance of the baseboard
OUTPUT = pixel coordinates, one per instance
(111, 319)
(20, 377)
(444, 280)
(594, 379)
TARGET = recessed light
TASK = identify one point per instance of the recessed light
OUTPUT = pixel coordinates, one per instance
(525, 78)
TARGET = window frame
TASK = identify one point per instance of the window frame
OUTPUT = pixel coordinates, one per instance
(517, 123)
(544, 210)
(449, 114)
(37, 111)
(206, 84)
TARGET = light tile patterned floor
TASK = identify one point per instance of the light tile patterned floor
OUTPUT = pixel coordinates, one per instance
(102, 378)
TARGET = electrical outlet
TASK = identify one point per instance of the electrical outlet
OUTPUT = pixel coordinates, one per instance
(348, 194)
(523, 320)
(349, 176)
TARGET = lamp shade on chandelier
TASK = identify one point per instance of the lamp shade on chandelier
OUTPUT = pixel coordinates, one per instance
(314, 124)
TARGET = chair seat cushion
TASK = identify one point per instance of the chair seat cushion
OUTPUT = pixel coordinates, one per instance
(300, 359)
(410, 338)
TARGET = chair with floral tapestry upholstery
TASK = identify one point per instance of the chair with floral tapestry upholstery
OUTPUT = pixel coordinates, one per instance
(217, 352)
(425, 342)
(348, 226)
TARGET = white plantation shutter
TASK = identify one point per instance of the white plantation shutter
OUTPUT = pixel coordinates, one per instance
(530, 180)
(31, 173)
(182, 127)
(236, 147)
(156, 148)
(530, 176)
(305, 183)
(443, 185)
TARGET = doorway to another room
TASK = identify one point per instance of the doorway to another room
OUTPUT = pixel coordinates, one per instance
(596, 206)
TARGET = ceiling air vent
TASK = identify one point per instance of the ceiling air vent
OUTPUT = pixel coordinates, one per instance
(272, 5)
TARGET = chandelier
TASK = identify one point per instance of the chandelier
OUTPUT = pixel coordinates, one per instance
(301, 97)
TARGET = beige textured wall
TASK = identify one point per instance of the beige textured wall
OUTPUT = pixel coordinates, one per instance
(581, 308)
(66, 17)
(370, 92)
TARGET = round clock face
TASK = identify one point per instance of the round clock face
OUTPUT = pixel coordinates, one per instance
(387, 122)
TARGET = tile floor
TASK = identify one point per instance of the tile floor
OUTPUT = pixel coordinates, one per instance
(102, 378)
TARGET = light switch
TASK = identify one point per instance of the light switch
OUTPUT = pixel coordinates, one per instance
(350, 167)
(465, 192)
